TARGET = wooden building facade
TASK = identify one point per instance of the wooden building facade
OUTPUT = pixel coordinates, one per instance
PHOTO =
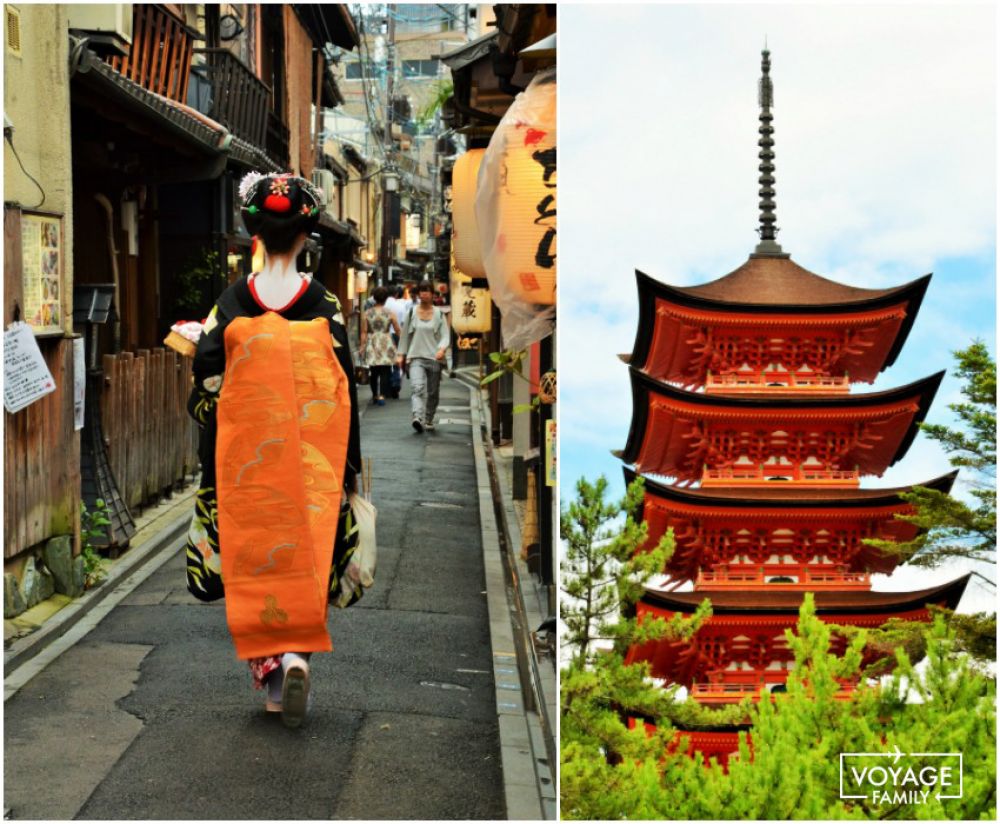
(152, 114)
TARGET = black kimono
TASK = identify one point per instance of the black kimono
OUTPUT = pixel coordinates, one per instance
(203, 566)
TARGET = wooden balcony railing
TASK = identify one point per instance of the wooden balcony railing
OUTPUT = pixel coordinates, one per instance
(741, 576)
(763, 381)
(240, 99)
(159, 58)
(767, 474)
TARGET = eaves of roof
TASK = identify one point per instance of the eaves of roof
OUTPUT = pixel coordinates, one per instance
(468, 53)
(785, 497)
(195, 131)
(772, 601)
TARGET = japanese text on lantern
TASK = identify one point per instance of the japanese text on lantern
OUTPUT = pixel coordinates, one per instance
(546, 208)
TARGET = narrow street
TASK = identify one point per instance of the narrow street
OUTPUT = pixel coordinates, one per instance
(151, 716)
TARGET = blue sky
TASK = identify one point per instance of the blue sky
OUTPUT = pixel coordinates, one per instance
(886, 158)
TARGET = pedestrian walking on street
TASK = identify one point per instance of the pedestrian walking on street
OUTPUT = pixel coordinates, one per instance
(400, 304)
(422, 349)
(378, 325)
(279, 449)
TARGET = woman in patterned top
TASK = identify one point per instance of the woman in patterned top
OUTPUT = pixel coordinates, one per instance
(377, 327)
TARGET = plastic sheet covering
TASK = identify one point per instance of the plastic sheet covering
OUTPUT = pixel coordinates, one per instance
(516, 213)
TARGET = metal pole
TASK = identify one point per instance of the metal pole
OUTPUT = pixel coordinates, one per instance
(545, 520)
(387, 233)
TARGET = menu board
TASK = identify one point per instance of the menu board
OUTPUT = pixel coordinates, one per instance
(42, 266)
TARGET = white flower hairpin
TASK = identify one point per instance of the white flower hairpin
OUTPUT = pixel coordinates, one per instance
(249, 180)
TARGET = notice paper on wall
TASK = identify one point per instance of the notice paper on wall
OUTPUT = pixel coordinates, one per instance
(26, 378)
(79, 383)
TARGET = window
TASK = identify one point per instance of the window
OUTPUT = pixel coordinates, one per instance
(352, 71)
(421, 68)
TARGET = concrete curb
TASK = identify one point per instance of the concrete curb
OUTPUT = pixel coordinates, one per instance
(518, 741)
(129, 569)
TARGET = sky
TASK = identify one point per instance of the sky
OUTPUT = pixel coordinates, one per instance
(885, 136)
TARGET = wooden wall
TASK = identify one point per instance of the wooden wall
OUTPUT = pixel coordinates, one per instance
(41, 474)
(152, 441)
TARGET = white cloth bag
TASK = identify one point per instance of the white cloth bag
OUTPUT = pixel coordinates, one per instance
(360, 570)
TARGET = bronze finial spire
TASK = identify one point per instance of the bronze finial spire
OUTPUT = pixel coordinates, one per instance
(768, 246)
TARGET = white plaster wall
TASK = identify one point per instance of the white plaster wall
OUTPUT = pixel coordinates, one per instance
(36, 99)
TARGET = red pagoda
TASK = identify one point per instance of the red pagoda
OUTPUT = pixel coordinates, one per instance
(741, 396)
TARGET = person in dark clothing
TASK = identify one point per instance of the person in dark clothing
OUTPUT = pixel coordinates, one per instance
(280, 451)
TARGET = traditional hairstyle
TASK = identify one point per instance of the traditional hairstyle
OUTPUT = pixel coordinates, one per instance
(279, 208)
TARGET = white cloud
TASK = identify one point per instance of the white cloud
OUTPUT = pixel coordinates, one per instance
(886, 165)
(885, 138)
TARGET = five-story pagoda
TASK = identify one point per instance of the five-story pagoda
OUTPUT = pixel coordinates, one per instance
(741, 395)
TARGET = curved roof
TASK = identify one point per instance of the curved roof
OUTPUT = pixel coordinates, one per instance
(673, 506)
(781, 282)
(827, 602)
(775, 285)
(785, 496)
(643, 385)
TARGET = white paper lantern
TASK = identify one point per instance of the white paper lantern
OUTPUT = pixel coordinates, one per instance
(525, 245)
(516, 214)
(470, 307)
(465, 233)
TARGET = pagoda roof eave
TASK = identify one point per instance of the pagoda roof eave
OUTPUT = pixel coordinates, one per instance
(786, 497)
(643, 384)
(769, 602)
(840, 299)
(850, 298)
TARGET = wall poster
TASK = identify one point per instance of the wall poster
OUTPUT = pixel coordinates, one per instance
(41, 271)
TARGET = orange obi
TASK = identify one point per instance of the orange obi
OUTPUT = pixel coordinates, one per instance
(284, 419)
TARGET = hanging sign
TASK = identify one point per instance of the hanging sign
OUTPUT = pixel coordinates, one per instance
(41, 271)
(550, 453)
(26, 378)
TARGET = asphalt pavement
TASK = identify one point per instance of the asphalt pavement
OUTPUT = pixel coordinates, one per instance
(151, 716)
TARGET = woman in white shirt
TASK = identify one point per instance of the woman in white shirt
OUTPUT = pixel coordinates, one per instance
(423, 345)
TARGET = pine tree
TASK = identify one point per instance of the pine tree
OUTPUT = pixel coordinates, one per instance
(951, 529)
(608, 765)
(788, 764)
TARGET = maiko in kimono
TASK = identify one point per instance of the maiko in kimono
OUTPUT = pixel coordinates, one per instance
(275, 398)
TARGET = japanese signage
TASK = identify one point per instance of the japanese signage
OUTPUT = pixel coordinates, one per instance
(26, 378)
(545, 252)
(550, 453)
(41, 272)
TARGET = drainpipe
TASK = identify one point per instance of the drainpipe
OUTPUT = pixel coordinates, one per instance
(109, 213)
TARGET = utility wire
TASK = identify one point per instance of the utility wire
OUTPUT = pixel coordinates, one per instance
(9, 136)
(368, 84)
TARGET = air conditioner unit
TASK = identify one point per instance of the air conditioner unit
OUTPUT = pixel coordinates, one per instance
(325, 180)
(108, 26)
